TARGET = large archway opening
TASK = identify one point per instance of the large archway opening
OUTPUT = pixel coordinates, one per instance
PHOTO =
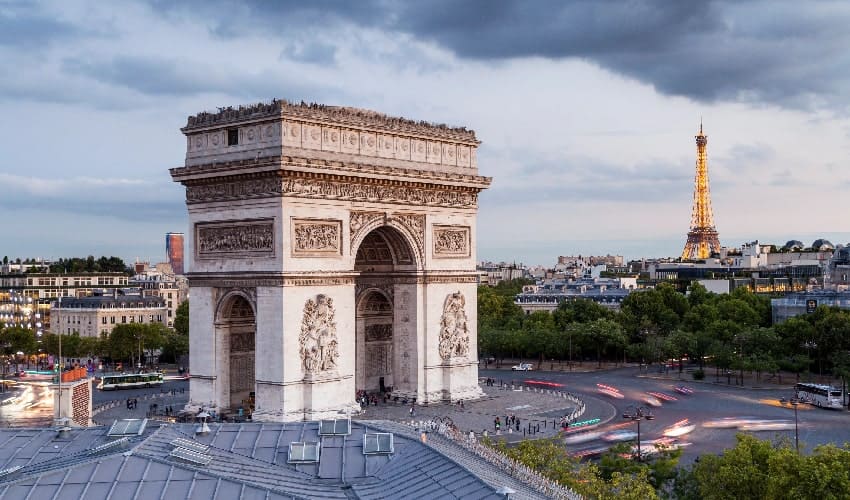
(238, 327)
(386, 313)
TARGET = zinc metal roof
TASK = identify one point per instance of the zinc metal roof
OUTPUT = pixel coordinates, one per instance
(247, 460)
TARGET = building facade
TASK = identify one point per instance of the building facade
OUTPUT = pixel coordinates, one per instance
(159, 282)
(97, 315)
(25, 298)
(174, 252)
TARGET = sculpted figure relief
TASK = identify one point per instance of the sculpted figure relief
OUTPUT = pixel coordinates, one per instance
(451, 241)
(454, 332)
(318, 340)
(316, 237)
(235, 238)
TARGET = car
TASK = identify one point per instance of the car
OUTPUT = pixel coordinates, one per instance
(543, 383)
(522, 367)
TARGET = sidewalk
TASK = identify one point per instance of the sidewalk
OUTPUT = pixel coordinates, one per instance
(538, 411)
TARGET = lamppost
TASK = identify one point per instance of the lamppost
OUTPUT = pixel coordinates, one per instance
(637, 414)
(794, 403)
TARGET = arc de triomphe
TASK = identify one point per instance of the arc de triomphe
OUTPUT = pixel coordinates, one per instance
(333, 251)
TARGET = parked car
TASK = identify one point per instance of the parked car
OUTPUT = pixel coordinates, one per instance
(522, 367)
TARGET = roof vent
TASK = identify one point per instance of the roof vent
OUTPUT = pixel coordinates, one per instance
(377, 443)
(303, 453)
(335, 427)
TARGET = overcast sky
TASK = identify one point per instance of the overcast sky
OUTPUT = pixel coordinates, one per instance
(587, 111)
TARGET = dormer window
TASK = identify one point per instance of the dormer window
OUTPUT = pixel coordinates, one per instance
(232, 137)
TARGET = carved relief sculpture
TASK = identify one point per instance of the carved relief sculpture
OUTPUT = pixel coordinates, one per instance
(415, 223)
(454, 332)
(318, 340)
(316, 238)
(234, 238)
(451, 241)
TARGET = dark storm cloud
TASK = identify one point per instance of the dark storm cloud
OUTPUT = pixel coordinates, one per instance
(791, 54)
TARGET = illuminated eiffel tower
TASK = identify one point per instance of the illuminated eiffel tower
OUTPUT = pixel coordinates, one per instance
(702, 238)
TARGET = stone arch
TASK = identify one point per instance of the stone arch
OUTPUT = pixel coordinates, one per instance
(385, 311)
(410, 228)
(235, 340)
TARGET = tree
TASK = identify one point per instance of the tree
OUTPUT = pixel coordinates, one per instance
(759, 469)
(605, 334)
(181, 319)
(19, 340)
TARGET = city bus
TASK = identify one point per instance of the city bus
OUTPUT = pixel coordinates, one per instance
(129, 381)
(822, 396)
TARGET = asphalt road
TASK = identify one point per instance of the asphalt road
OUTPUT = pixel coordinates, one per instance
(709, 402)
(99, 397)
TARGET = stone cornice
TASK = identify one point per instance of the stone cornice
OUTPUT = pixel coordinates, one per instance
(337, 115)
(255, 168)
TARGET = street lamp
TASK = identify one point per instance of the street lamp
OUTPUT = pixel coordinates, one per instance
(636, 414)
(794, 403)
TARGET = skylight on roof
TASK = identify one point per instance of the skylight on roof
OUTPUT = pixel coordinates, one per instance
(190, 456)
(303, 452)
(335, 427)
(127, 427)
(109, 445)
(190, 445)
(377, 443)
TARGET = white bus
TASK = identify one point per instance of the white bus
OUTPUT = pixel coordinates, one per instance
(822, 396)
(130, 381)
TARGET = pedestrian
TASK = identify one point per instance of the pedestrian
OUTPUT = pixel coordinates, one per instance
(497, 424)
(412, 411)
(516, 421)
(461, 404)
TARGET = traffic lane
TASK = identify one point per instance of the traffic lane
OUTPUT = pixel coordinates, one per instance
(100, 397)
(709, 402)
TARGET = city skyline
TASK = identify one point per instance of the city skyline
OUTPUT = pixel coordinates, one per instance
(586, 111)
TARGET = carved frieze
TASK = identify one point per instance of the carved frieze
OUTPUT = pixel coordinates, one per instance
(237, 238)
(454, 331)
(327, 189)
(451, 241)
(379, 332)
(318, 340)
(222, 191)
(241, 342)
(379, 360)
(316, 238)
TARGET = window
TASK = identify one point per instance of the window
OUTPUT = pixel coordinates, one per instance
(112, 320)
(169, 296)
(377, 443)
(169, 313)
(151, 318)
(141, 318)
(303, 452)
(232, 137)
(123, 319)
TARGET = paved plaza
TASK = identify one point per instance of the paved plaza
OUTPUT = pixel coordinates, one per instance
(538, 411)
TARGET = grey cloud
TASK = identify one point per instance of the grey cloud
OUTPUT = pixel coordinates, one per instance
(21, 26)
(587, 179)
(177, 78)
(310, 52)
(782, 53)
(124, 199)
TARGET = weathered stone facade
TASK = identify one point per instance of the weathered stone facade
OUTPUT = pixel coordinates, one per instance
(338, 244)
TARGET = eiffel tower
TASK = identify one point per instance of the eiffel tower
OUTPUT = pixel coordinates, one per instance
(702, 238)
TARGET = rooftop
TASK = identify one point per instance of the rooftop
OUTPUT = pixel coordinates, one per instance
(232, 461)
(355, 117)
